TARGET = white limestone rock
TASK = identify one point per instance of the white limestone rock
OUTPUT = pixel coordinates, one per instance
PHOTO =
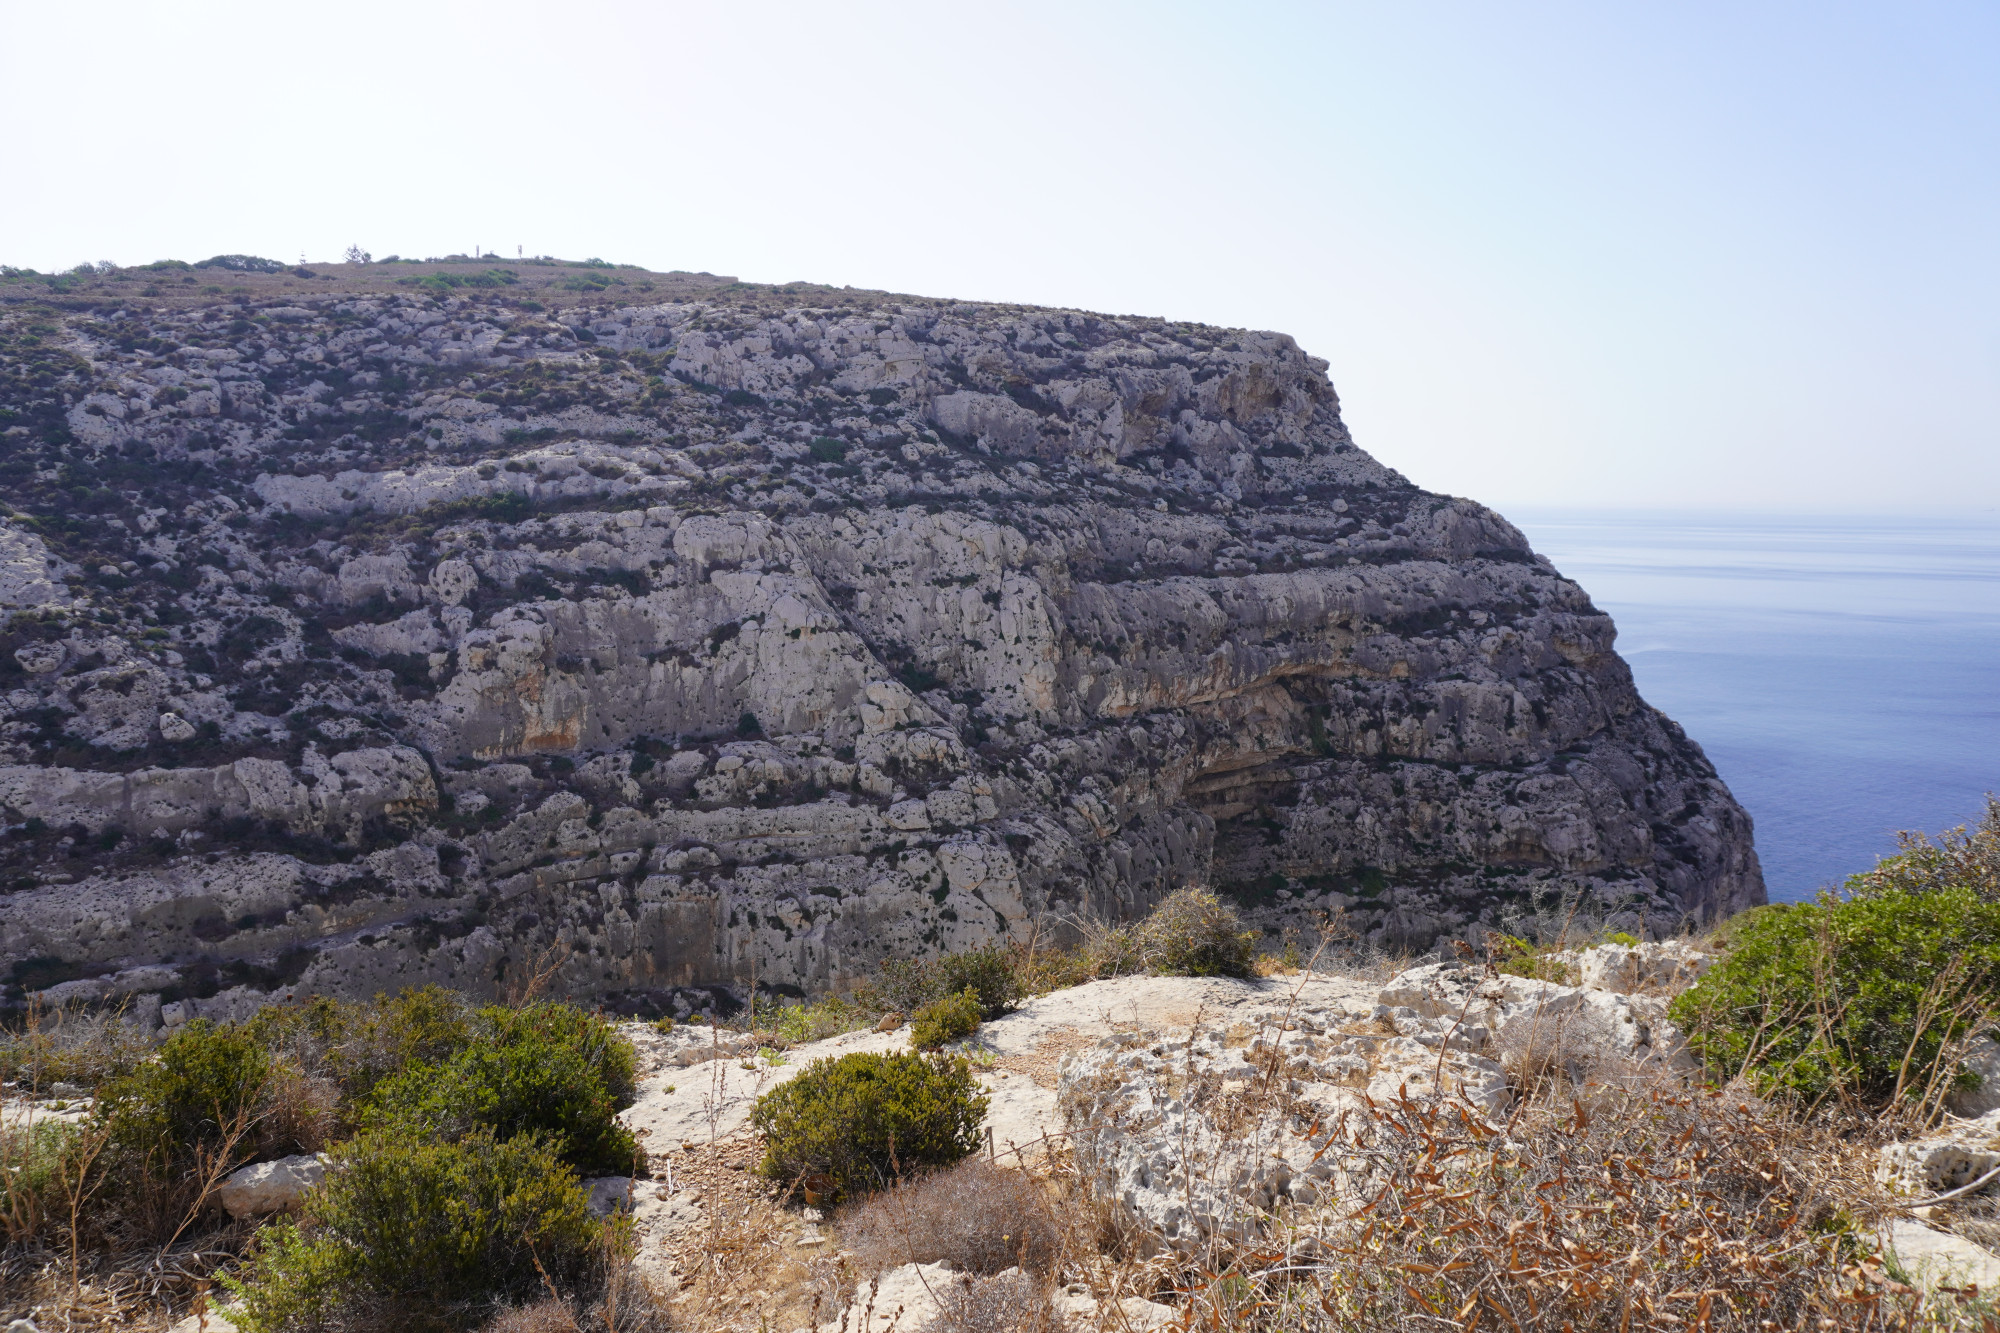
(39, 659)
(29, 575)
(1650, 968)
(1939, 1258)
(1082, 1312)
(1181, 1130)
(265, 1188)
(1936, 1165)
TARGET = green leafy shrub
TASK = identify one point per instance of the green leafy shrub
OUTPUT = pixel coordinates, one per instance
(848, 1124)
(359, 1045)
(415, 1234)
(211, 1099)
(550, 1069)
(1854, 998)
(826, 449)
(910, 983)
(205, 1087)
(242, 264)
(950, 1019)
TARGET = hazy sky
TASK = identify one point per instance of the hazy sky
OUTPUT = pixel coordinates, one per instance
(1619, 254)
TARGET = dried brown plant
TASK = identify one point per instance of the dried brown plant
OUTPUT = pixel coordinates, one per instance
(976, 1216)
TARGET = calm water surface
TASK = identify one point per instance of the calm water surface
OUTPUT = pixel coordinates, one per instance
(1842, 674)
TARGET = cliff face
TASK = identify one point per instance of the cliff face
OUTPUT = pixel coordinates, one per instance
(365, 634)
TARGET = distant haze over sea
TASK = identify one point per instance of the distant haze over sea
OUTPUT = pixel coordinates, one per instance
(1843, 674)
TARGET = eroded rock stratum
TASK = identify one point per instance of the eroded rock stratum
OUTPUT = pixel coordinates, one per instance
(365, 635)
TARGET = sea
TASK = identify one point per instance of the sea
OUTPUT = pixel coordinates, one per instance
(1842, 673)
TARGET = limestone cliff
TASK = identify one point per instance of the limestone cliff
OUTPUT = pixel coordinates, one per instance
(395, 623)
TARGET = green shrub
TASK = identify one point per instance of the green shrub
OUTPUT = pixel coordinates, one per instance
(359, 1045)
(947, 1020)
(210, 1100)
(908, 984)
(826, 449)
(830, 1017)
(1516, 957)
(550, 1069)
(32, 1175)
(414, 1234)
(1855, 998)
(846, 1125)
(206, 1087)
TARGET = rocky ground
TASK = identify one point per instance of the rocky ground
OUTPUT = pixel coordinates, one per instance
(1202, 1108)
(1204, 1114)
(653, 636)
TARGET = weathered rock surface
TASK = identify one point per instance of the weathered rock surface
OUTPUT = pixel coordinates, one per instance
(1202, 1134)
(263, 1188)
(1940, 1258)
(1962, 1153)
(689, 632)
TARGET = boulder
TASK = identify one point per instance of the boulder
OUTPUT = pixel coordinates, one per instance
(1934, 1165)
(39, 658)
(1082, 1312)
(1960, 1153)
(611, 1194)
(1982, 1060)
(264, 1188)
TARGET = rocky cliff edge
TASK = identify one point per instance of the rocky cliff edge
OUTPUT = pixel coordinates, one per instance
(669, 632)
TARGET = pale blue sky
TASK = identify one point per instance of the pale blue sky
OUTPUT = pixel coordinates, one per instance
(1617, 254)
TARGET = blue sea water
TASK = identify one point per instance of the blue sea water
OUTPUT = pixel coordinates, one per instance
(1843, 674)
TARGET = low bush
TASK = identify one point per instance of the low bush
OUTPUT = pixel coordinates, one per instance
(38, 1162)
(204, 1090)
(1192, 933)
(976, 1216)
(359, 1044)
(410, 1234)
(950, 1019)
(908, 984)
(549, 1069)
(1517, 957)
(212, 1099)
(70, 1045)
(1004, 1303)
(852, 1123)
(1863, 999)
(830, 1017)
